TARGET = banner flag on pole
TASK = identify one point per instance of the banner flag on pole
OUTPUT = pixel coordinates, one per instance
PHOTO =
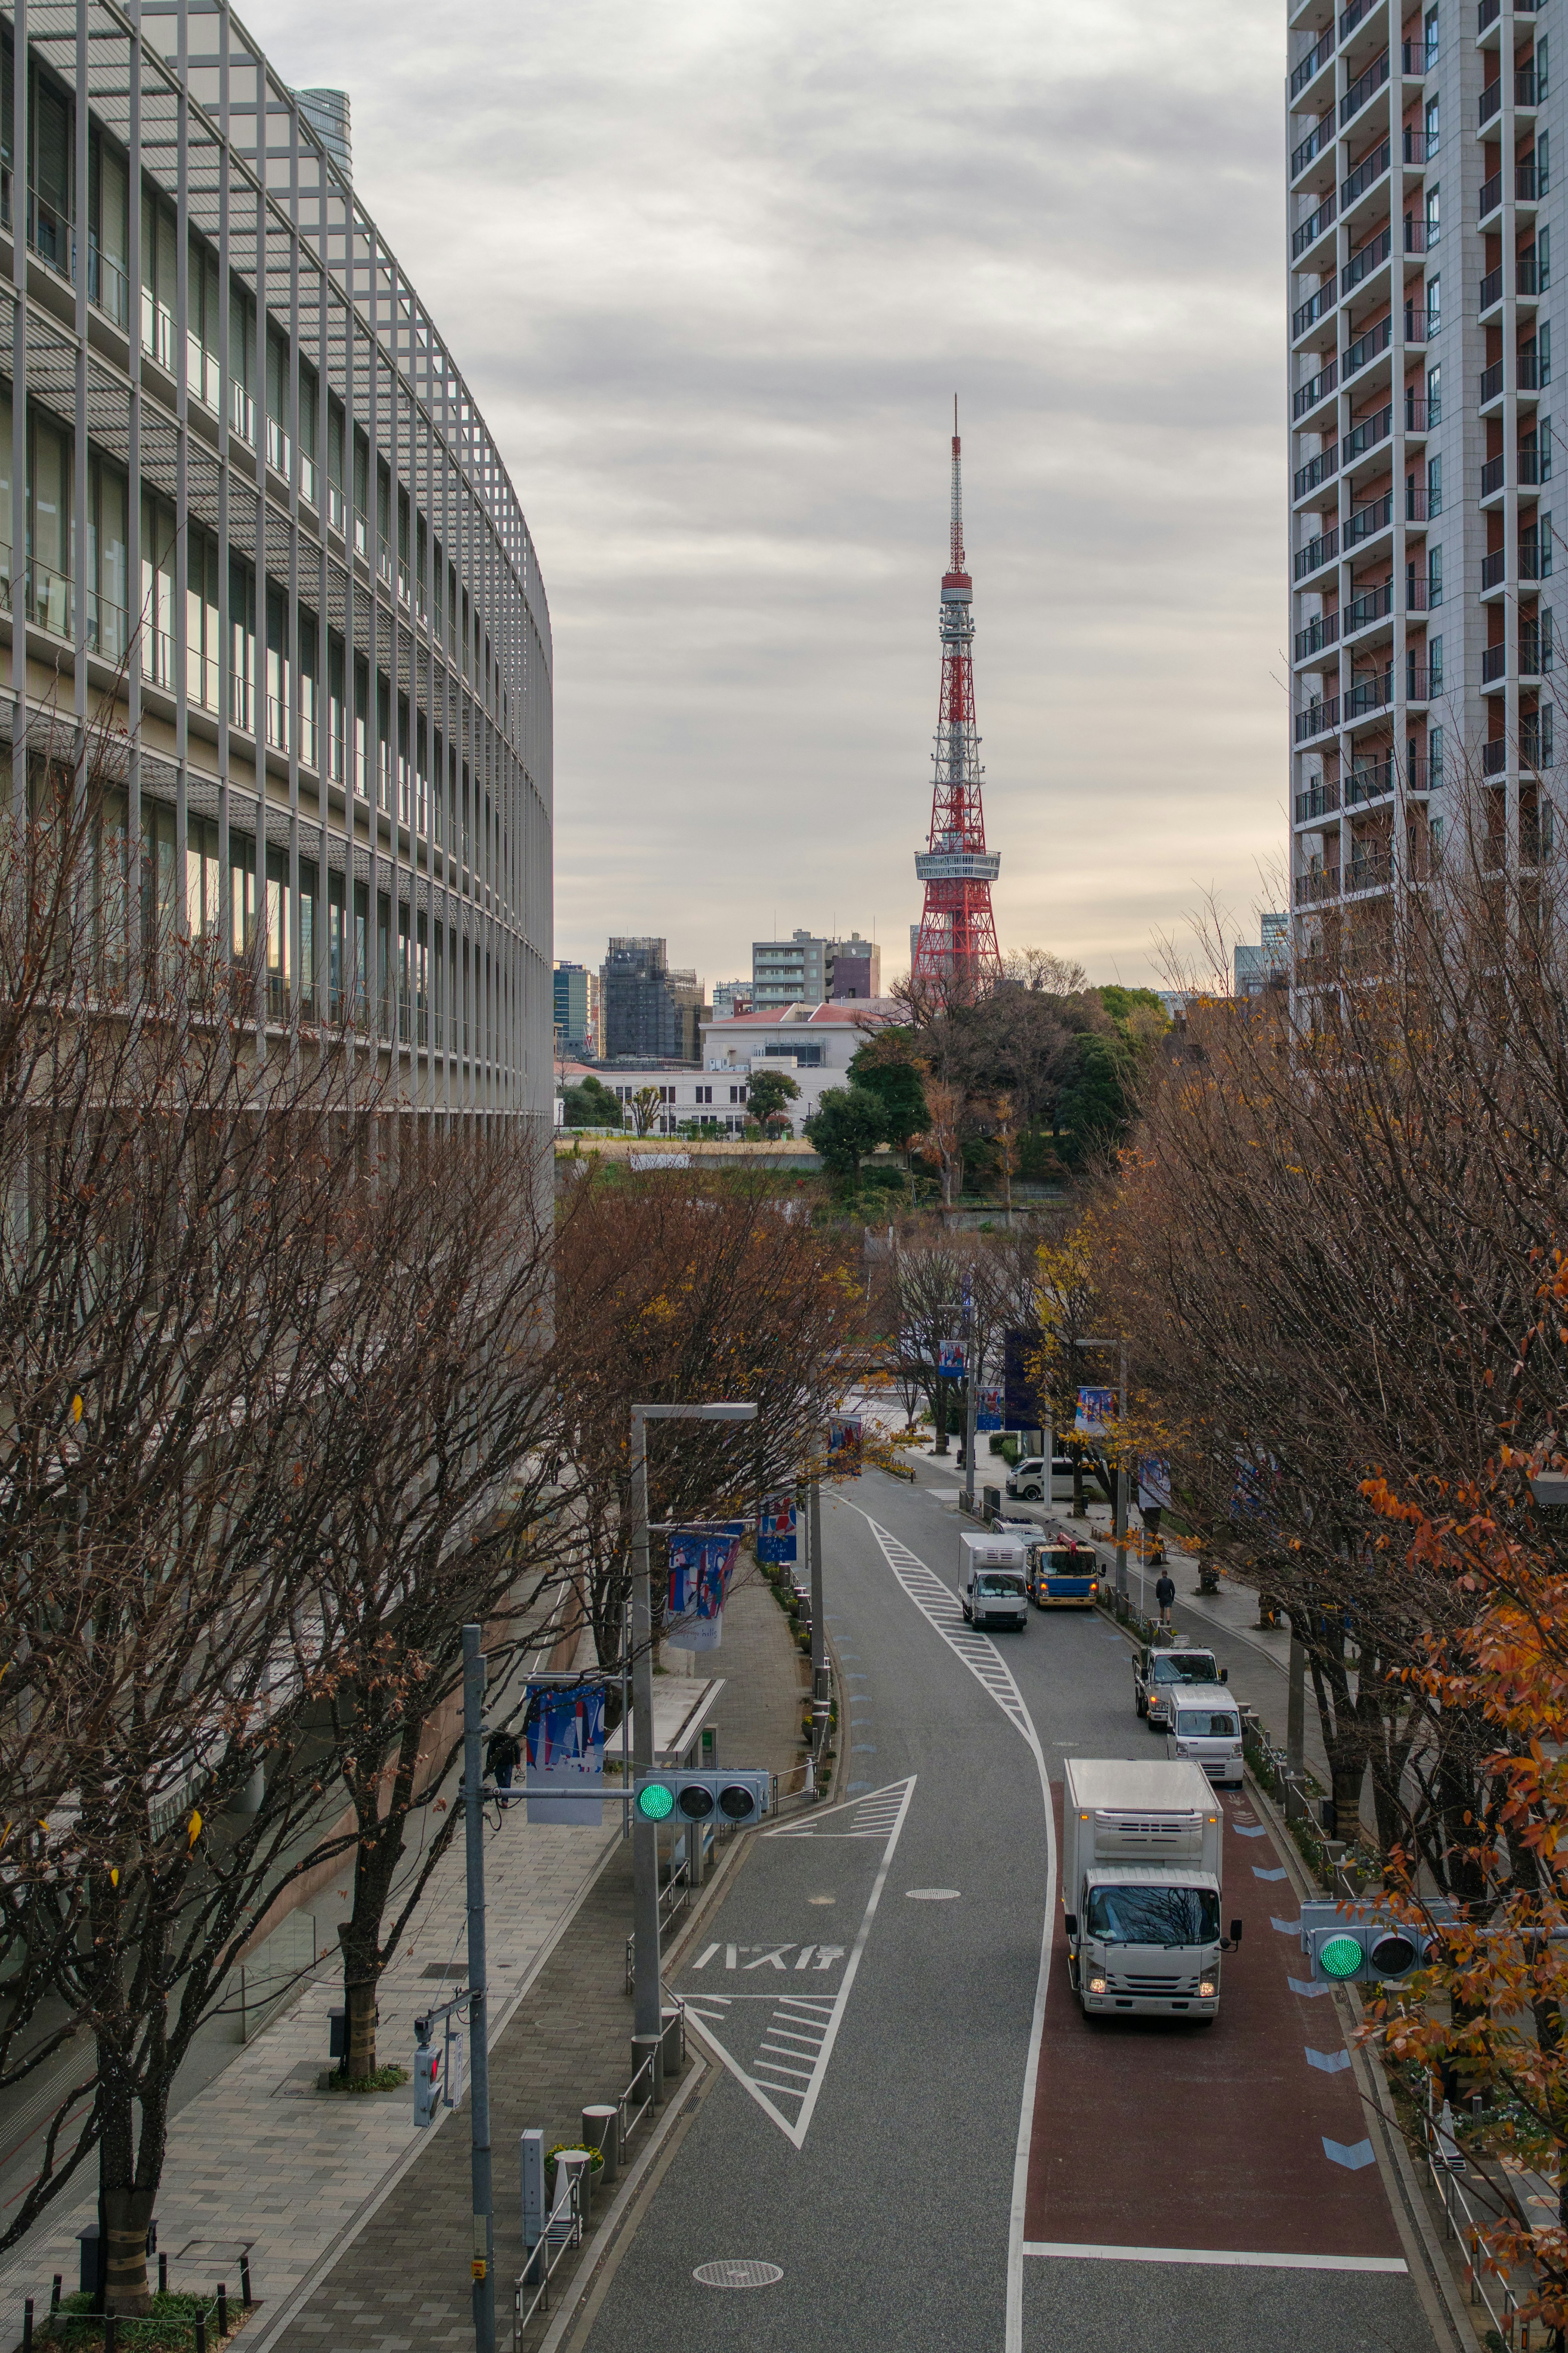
(775, 1529)
(565, 1745)
(702, 1562)
(1096, 1411)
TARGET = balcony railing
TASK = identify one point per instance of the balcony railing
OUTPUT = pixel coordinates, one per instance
(1420, 414)
(1531, 182)
(1323, 882)
(1494, 756)
(1366, 347)
(1493, 476)
(1418, 57)
(1535, 558)
(1372, 783)
(1317, 469)
(1312, 228)
(1376, 251)
(1420, 235)
(1418, 593)
(1318, 800)
(1524, 276)
(1368, 694)
(1316, 388)
(1375, 605)
(1369, 873)
(1351, 17)
(1494, 568)
(1317, 552)
(1367, 520)
(1420, 146)
(1420, 504)
(1318, 719)
(1420, 326)
(1486, 13)
(1320, 631)
(1426, 775)
(1492, 100)
(1491, 194)
(1362, 88)
(1419, 684)
(1371, 167)
(1368, 433)
(1491, 287)
(1529, 87)
(1309, 313)
(1317, 139)
(1494, 664)
(1491, 382)
(1317, 57)
(1535, 465)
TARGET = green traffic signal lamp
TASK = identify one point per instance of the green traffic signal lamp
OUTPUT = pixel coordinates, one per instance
(1340, 1956)
(655, 1801)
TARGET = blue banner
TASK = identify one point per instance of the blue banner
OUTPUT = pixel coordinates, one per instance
(988, 1409)
(845, 1436)
(775, 1529)
(1096, 1409)
(702, 1562)
(565, 1744)
(949, 1360)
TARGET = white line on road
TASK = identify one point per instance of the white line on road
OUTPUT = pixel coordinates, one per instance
(1247, 2261)
(938, 1606)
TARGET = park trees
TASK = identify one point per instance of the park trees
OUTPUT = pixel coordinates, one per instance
(769, 1095)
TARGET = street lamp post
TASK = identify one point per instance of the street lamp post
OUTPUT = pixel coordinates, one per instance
(648, 1994)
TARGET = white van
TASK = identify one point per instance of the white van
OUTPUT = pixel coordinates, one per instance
(1207, 1731)
(1026, 1480)
(994, 1580)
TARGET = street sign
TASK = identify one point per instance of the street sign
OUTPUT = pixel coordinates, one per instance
(740, 1798)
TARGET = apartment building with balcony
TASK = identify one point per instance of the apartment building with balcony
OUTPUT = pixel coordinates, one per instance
(1419, 228)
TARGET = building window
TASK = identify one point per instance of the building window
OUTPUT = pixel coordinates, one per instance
(1434, 304)
(1435, 395)
(1544, 260)
(1434, 578)
(1430, 29)
(1434, 487)
(1434, 216)
(1433, 126)
(1544, 347)
(1434, 665)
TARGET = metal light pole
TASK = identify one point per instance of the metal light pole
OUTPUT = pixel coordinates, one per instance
(483, 2201)
(818, 1633)
(1122, 1485)
(969, 1399)
(647, 2005)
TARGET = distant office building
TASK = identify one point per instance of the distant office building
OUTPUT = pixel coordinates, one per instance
(1270, 960)
(855, 969)
(730, 996)
(650, 1012)
(805, 970)
(577, 1023)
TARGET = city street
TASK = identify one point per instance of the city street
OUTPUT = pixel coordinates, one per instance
(912, 2122)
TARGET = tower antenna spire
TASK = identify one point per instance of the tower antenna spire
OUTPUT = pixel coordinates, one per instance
(957, 941)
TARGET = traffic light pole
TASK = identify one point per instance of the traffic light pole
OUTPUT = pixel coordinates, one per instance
(1121, 1487)
(969, 1386)
(648, 1994)
(819, 1702)
(484, 2252)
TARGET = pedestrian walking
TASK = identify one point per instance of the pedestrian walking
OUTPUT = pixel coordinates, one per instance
(502, 1760)
(1164, 1594)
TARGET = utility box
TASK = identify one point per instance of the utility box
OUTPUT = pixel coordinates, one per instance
(337, 2034)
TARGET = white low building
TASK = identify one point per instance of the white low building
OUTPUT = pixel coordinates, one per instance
(813, 1044)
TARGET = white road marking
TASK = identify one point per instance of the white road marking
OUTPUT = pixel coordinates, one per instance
(938, 1606)
(1286, 1927)
(1301, 1985)
(1333, 2062)
(1352, 2154)
(1258, 1873)
(1215, 2256)
(931, 1894)
(882, 1813)
(1248, 1830)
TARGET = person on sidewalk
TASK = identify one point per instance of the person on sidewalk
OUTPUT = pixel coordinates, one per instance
(502, 1760)
(1165, 1594)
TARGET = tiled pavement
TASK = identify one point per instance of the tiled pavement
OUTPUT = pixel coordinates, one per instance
(258, 2159)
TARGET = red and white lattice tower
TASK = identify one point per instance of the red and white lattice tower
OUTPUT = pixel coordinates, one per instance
(957, 942)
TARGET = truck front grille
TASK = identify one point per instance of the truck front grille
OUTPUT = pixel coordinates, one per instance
(1152, 1985)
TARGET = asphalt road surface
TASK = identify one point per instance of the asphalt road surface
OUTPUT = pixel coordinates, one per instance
(912, 2123)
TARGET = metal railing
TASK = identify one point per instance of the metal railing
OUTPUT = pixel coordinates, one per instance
(1362, 88)
(1311, 229)
(1317, 139)
(123, 2334)
(1316, 388)
(1316, 57)
(1317, 469)
(1465, 2220)
(1376, 251)
(1371, 167)
(1324, 631)
(1368, 347)
(1368, 432)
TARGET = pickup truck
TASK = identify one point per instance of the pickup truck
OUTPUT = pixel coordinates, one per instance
(1141, 1889)
(1158, 1672)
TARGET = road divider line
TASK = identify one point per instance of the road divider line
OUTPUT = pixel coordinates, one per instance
(1065, 2251)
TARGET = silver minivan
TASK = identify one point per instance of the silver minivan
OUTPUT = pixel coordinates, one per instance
(1026, 1481)
(1207, 1729)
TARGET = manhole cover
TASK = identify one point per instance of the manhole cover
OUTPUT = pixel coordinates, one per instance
(738, 2273)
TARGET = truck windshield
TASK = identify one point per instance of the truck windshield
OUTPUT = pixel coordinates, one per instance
(1204, 1727)
(1154, 1915)
(1185, 1667)
(1061, 1562)
(991, 1587)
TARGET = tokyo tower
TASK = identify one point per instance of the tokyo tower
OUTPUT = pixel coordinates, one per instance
(957, 942)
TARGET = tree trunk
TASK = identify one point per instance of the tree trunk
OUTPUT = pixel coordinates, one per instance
(361, 1978)
(125, 2218)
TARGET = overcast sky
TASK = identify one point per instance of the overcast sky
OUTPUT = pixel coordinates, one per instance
(714, 269)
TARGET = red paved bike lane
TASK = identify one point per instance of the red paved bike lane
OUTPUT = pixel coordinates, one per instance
(1164, 2135)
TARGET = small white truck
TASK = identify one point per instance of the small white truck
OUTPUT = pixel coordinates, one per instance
(993, 1578)
(1141, 1888)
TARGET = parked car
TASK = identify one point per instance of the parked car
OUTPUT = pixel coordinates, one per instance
(1159, 1674)
(1026, 1481)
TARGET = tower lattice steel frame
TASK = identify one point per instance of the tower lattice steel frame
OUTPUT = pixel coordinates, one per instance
(957, 941)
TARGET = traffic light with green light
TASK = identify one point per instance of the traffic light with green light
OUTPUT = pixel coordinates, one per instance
(739, 1798)
(1348, 1943)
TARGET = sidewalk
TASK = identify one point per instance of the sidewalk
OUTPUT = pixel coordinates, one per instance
(259, 2162)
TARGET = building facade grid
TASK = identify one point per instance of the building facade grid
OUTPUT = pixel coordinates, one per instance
(252, 515)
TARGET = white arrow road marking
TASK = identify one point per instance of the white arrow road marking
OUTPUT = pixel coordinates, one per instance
(1286, 1927)
(1351, 2156)
(1257, 1873)
(1248, 1830)
(1333, 2062)
(938, 1605)
(1300, 1984)
(786, 2079)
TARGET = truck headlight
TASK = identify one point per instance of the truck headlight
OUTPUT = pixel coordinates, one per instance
(1208, 1987)
(1097, 1984)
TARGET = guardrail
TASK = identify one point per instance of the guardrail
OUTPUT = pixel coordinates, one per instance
(673, 1898)
(1464, 2222)
(65, 2321)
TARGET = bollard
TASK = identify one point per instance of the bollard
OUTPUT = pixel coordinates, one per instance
(162, 2274)
(54, 2293)
(28, 2326)
(602, 2130)
(200, 2332)
(674, 2041)
(222, 2309)
(643, 2048)
(244, 2294)
(111, 2332)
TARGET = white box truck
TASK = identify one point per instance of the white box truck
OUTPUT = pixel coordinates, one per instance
(993, 1578)
(1141, 1888)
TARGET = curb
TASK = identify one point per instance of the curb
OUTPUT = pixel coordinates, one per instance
(1429, 2269)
